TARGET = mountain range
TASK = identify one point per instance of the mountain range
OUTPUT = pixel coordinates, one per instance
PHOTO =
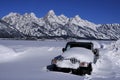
(51, 26)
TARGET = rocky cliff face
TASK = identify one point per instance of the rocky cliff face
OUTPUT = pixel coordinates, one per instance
(28, 25)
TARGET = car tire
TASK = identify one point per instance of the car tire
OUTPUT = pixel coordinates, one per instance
(89, 70)
(52, 67)
(83, 70)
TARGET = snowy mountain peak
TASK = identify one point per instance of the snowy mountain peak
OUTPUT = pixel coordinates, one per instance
(32, 15)
(82, 23)
(115, 24)
(51, 12)
(77, 17)
(12, 14)
(62, 16)
(53, 25)
(51, 15)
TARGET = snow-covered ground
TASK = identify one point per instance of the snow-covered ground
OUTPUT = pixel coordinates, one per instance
(26, 60)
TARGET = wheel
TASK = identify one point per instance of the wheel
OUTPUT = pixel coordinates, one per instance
(65, 70)
(83, 70)
(52, 67)
(78, 71)
(89, 70)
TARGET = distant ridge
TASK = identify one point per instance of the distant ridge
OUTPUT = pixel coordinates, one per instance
(51, 26)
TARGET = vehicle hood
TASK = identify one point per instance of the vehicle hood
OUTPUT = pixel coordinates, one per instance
(81, 54)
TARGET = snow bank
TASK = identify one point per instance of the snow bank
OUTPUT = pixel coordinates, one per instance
(96, 44)
(106, 64)
(6, 53)
(114, 53)
(103, 68)
(37, 55)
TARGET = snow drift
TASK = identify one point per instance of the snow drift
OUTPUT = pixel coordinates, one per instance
(36, 55)
(114, 53)
(6, 53)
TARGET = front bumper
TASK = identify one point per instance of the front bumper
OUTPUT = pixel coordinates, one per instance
(78, 71)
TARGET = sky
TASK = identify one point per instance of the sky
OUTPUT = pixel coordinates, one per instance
(96, 11)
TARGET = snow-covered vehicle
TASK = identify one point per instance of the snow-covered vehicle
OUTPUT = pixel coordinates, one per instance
(77, 58)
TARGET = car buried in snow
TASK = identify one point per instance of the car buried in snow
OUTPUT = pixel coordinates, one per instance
(77, 58)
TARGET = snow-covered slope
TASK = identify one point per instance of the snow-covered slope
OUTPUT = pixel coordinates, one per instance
(8, 31)
(52, 25)
(114, 53)
(112, 31)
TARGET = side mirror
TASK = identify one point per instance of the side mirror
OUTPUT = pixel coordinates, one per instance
(96, 52)
(63, 49)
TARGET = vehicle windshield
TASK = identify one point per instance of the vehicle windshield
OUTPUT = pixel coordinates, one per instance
(84, 45)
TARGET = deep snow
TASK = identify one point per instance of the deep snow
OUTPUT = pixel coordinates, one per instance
(26, 60)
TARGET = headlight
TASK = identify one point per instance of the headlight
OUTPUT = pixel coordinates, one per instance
(58, 58)
(54, 61)
(84, 64)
